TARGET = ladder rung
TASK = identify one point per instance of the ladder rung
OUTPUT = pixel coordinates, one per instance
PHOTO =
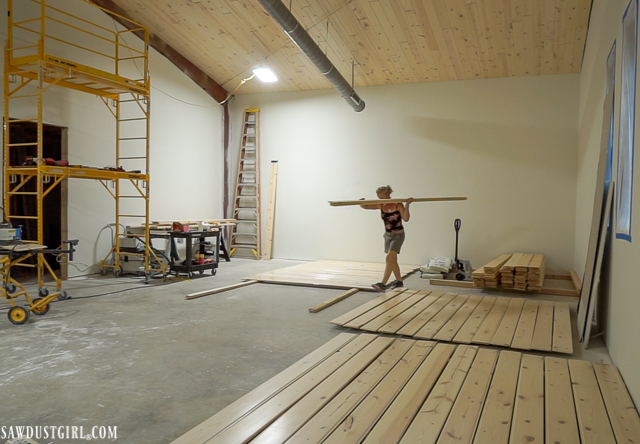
(133, 138)
(23, 96)
(129, 158)
(245, 234)
(130, 215)
(23, 193)
(23, 144)
(131, 197)
(254, 246)
(9, 122)
(246, 208)
(131, 120)
(13, 216)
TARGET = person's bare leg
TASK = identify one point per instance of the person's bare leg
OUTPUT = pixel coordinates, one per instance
(388, 268)
(395, 268)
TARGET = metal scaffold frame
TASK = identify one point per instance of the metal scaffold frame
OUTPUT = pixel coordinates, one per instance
(40, 65)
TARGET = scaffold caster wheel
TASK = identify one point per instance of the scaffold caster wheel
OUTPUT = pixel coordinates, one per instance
(43, 292)
(214, 271)
(117, 272)
(42, 310)
(63, 295)
(103, 271)
(10, 288)
(201, 271)
(18, 315)
(460, 276)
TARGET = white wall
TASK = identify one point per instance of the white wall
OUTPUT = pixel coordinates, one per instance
(509, 145)
(623, 332)
(186, 147)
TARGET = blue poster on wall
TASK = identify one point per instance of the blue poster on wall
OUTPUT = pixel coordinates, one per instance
(627, 121)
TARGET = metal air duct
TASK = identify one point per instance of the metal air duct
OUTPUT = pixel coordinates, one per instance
(300, 37)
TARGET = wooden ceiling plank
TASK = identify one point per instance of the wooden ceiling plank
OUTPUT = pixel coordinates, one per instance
(428, 24)
(539, 30)
(528, 51)
(412, 60)
(484, 52)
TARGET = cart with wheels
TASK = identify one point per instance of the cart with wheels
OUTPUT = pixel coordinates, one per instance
(16, 254)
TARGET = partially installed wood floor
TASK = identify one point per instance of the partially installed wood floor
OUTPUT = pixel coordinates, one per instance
(469, 319)
(371, 389)
(334, 274)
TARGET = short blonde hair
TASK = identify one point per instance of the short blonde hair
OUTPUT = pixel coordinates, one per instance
(385, 189)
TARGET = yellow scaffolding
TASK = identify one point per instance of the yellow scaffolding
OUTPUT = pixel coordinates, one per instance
(41, 43)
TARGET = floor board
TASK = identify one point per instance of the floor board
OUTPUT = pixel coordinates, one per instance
(332, 274)
(485, 320)
(372, 389)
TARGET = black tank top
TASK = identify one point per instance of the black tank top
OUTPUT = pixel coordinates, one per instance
(392, 221)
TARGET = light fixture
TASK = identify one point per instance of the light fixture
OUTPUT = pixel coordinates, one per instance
(265, 74)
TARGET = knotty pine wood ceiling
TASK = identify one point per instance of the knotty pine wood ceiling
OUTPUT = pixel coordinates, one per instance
(390, 41)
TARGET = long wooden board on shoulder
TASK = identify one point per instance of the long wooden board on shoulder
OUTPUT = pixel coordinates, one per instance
(343, 203)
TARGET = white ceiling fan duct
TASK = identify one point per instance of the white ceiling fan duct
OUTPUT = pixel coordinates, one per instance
(300, 37)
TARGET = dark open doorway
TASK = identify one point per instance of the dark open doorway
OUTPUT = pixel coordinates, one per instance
(55, 202)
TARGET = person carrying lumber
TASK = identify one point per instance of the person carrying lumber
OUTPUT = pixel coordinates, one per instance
(393, 214)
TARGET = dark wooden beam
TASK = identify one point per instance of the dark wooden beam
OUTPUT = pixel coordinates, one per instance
(187, 67)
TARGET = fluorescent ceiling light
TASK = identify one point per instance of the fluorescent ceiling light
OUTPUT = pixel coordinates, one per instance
(265, 74)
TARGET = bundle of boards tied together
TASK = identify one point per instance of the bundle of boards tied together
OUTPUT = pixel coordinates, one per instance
(518, 271)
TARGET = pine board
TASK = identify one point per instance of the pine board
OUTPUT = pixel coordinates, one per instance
(507, 322)
(369, 389)
(330, 274)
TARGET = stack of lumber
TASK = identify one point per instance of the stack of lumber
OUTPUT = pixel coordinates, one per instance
(478, 277)
(507, 272)
(517, 271)
(491, 273)
(535, 273)
(524, 272)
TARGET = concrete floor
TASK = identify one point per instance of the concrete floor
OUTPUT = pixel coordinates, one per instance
(155, 365)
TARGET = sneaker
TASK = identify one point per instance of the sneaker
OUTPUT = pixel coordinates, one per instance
(397, 284)
(379, 286)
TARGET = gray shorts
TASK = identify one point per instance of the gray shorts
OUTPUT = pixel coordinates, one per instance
(393, 241)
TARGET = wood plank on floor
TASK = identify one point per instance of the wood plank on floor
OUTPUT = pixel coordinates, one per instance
(372, 389)
(504, 321)
(495, 422)
(593, 421)
(290, 421)
(327, 419)
(362, 419)
(469, 329)
(526, 325)
(560, 417)
(334, 300)
(451, 328)
(507, 328)
(388, 315)
(419, 321)
(390, 305)
(407, 316)
(264, 392)
(528, 414)
(562, 340)
(622, 412)
(489, 326)
(437, 322)
(250, 425)
(401, 412)
(343, 319)
(465, 414)
(333, 274)
(431, 417)
(543, 331)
